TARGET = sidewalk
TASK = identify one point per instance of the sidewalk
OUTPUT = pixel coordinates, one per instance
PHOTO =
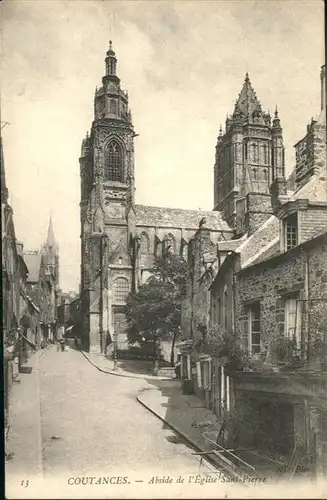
(185, 414)
(24, 437)
(106, 365)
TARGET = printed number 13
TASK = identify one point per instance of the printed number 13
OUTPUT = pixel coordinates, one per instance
(24, 482)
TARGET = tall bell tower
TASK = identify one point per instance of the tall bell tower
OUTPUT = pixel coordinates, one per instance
(249, 155)
(107, 195)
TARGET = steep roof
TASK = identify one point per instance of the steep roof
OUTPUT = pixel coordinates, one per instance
(247, 101)
(316, 187)
(178, 218)
(264, 243)
(33, 263)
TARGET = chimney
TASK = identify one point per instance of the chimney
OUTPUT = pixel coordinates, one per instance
(323, 86)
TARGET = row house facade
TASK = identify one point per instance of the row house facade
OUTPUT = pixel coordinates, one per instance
(30, 314)
(23, 309)
(69, 315)
(259, 354)
(12, 269)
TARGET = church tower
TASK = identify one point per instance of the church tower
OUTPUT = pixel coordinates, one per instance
(249, 155)
(107, 196)
(50, 252)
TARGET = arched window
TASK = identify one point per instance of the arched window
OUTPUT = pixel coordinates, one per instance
(265, 154)
(255, 153)
(121, 290)
(185, 251)
(145, 243)
(112, 67)
(171, 243)
(113, 107)
(114, 162)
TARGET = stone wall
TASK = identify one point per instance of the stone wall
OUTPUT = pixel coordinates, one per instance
(258, 211)
(270, 282)
(222, 306)
(196, 305)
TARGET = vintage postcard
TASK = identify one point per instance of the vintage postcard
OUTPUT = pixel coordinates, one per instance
(164, 249)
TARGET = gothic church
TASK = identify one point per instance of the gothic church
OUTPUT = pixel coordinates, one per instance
(120, 239)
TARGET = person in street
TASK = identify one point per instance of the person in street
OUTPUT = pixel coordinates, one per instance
(178, 370)
(62, 343)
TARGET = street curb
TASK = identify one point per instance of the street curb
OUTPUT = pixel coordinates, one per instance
(123, 375)
(190, 441)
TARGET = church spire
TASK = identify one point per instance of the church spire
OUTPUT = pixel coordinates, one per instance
(51, 239)
(247, 105)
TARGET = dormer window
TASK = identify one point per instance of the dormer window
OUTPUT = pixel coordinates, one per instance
(290, 224)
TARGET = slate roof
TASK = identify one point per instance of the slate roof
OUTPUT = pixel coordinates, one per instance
(247, 101)
(178, 218)
(262, 244)
(33, 263)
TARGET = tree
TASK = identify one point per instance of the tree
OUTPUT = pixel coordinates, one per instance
(154, 310)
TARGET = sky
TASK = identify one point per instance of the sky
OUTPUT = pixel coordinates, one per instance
(183, 64)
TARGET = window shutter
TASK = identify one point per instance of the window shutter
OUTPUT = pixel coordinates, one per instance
(198, 373)
(209, 374)
(280, 316)
(189, 370)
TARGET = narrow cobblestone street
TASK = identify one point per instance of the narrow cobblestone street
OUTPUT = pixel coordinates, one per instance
(91, 425)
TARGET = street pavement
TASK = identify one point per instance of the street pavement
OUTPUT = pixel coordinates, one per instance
(90, 424)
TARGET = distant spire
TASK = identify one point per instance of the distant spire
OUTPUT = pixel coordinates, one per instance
(276, 126)
(51, 239)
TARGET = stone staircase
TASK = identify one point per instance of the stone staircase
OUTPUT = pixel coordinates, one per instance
(167, 371)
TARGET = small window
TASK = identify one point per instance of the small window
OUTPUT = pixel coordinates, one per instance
(255, 174)
(265, 174)
(254, 328)
(290, 231)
